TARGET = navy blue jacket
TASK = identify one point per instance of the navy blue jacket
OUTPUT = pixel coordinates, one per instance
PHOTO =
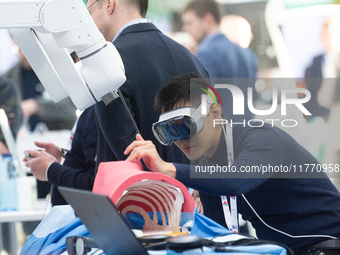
(238, 66)
(150, 59)
(79, 165)
(297, 206)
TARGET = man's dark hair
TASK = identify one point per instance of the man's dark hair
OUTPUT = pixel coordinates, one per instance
(202, 7)
(141, 5)
(178, 91)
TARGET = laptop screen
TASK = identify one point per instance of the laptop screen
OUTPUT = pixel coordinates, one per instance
(103, 221)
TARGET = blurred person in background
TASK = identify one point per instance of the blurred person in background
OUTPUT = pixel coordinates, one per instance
(180, 36)
(328, 67)
(186, 40)
(36, 105)
(323, 67)
(237, 29)
(220, 57)
(10, 103)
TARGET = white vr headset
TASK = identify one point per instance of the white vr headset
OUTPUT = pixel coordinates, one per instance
(181, 123)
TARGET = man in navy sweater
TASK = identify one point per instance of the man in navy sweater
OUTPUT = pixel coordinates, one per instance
(297, 210)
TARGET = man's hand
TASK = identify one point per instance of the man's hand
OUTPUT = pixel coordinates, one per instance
(39, 163)
(146, 150)
(51, 149)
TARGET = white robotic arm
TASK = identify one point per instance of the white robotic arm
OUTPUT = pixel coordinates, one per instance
(47, 31)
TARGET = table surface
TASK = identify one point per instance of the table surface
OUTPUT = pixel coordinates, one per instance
(43, 206)
(17, 216)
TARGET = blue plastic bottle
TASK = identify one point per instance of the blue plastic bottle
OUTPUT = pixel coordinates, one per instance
(8, 184)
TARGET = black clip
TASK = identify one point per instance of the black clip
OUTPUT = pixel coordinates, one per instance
(79, 245)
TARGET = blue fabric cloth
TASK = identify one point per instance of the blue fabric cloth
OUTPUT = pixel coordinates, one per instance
(49, 237)
(150, 59)
(297, 206)
(205, 227)
(60, 223)
(78, 168)
(224, 59)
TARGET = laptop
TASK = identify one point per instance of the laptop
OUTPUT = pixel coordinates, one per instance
(102, 219)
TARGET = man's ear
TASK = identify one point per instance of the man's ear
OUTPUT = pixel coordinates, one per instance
(110, 6)
(216, 111)
(209, 18)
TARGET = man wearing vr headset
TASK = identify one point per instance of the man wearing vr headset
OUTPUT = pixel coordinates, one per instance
(298, 212)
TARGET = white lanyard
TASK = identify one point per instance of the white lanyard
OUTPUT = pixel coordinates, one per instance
(230, 213)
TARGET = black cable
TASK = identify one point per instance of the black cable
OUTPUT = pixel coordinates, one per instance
(128, 111)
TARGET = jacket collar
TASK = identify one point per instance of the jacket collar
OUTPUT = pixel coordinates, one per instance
(140, 27)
